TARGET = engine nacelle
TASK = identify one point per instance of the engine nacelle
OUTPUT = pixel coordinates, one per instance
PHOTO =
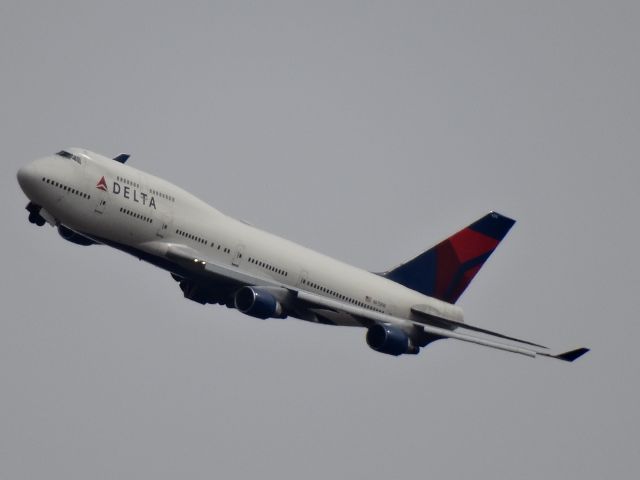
(390, 340)
(74, 237)
(258, 302)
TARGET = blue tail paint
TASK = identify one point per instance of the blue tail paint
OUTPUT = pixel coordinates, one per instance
(445, 271)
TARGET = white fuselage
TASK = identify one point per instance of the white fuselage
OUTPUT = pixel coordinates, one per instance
(137, 210)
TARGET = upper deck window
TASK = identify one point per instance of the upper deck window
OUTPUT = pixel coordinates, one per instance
(65, 154)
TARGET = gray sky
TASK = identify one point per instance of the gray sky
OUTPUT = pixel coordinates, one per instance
(368, 131)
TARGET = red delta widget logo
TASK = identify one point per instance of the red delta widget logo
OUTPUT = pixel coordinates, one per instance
(102, 185)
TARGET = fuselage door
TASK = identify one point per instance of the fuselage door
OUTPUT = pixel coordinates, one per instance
(304, 282)
(237, 258)
(101, 205)
(164, 223)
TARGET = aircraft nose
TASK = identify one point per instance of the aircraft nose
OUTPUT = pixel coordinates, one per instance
(27, 177)
(30, 177)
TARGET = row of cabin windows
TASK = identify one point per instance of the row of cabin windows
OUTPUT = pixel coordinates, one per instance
(268, 267)
(353, 301)
(128, 182)
(201, 240)
(151, 190)
(190, 236)
(259, 263)
(161, 194)
(136, 215)
(66, 188)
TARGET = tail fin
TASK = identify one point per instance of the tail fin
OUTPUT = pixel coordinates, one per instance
(445, 271)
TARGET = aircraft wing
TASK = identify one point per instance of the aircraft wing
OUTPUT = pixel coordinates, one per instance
(339, 312)
(369, 317)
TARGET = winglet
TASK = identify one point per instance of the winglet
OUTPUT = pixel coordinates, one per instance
(571, 355)
(122, 158)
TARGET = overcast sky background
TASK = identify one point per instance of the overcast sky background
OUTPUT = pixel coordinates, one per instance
(368, 131)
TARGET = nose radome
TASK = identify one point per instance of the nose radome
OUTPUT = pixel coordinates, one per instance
(26, 177)
(30, 177)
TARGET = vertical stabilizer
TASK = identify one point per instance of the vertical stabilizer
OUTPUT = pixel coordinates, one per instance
(445, 271)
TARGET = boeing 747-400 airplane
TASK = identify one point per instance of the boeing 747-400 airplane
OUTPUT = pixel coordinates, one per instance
(92, 199)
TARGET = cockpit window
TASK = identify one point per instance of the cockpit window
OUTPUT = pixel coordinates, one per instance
(65, 154)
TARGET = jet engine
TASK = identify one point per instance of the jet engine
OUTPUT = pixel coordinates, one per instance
(390, 340)
(258, 302)
(74, 237)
